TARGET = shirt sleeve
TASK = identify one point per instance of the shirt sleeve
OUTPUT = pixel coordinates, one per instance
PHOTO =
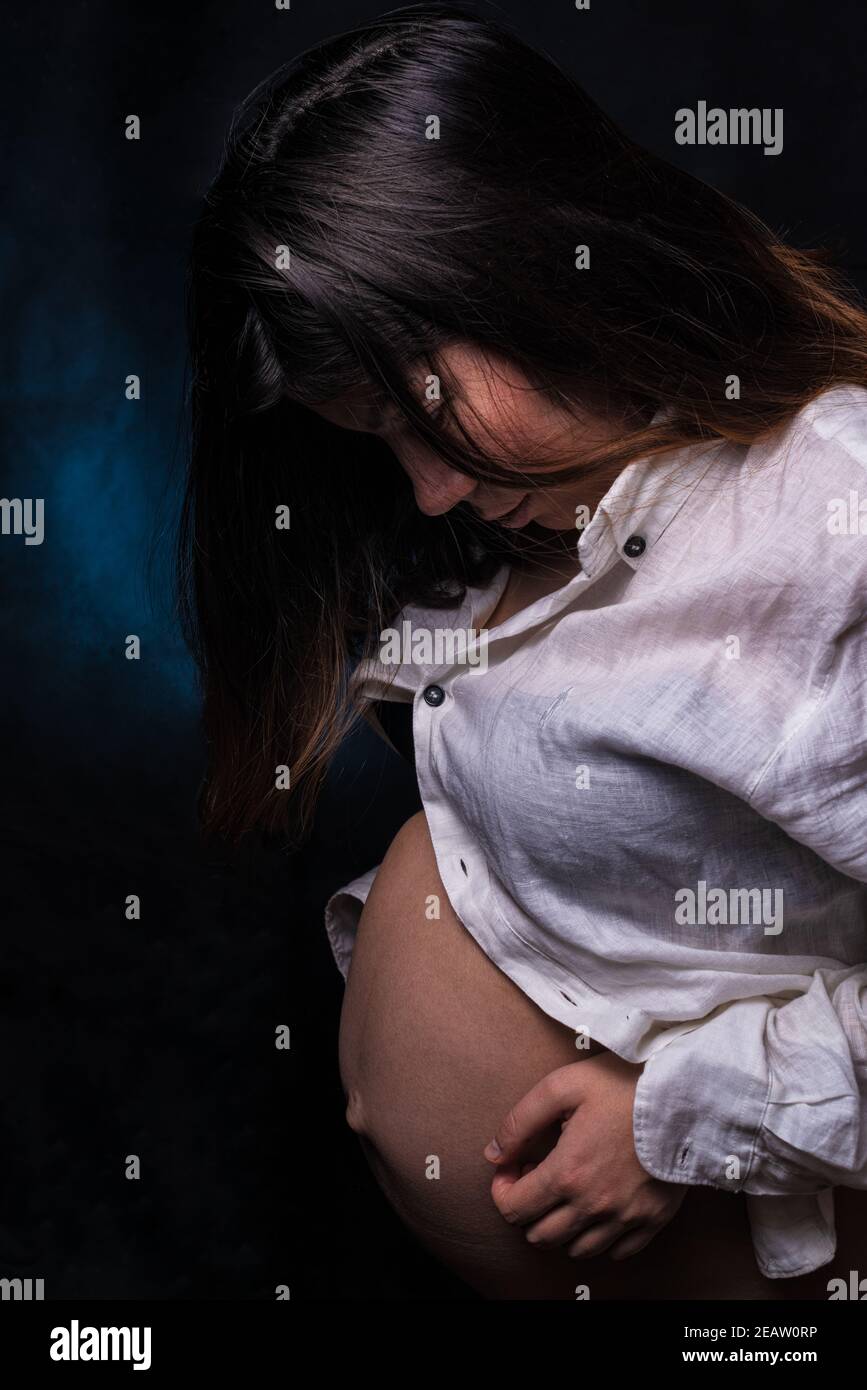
(766, 1095)
(765, 1098)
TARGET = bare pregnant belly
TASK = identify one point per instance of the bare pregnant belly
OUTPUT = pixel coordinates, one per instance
(436, 1045)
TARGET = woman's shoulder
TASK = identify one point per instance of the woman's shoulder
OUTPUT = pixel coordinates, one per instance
(828, 436)
(839, 413)
(802, 495)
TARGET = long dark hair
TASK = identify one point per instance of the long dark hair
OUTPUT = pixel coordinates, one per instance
(339, 243)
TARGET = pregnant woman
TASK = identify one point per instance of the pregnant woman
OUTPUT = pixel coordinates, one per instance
(551, 462)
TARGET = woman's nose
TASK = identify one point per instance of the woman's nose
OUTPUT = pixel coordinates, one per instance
(438, 487)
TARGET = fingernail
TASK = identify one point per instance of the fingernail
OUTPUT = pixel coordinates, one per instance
(493, 1150)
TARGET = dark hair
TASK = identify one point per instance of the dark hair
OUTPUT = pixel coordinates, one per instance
(399, 244)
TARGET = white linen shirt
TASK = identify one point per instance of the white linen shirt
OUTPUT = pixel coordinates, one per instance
(678, 727)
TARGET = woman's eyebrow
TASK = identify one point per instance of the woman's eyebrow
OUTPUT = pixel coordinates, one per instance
(375, 410)
(379, 401)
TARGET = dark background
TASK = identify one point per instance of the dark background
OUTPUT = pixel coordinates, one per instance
(156, 1037)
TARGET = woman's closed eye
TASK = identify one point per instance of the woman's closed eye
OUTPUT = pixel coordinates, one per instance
(390, 420)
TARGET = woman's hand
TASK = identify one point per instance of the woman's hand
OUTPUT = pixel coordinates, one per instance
(590, 1192)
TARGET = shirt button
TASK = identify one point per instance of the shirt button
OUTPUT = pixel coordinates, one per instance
(434, 695)
(636, 545)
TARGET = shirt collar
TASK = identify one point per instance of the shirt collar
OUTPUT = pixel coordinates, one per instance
(641, 503)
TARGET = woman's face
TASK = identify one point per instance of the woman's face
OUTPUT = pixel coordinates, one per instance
(496, 400)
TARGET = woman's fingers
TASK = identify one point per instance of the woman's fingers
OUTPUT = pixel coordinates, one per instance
(604, 1235)
(566, 1222)
(631, 1244)
(548, 1102)
(521, 1197)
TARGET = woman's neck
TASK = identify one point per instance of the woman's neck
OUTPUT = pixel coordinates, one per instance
(554, 553)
